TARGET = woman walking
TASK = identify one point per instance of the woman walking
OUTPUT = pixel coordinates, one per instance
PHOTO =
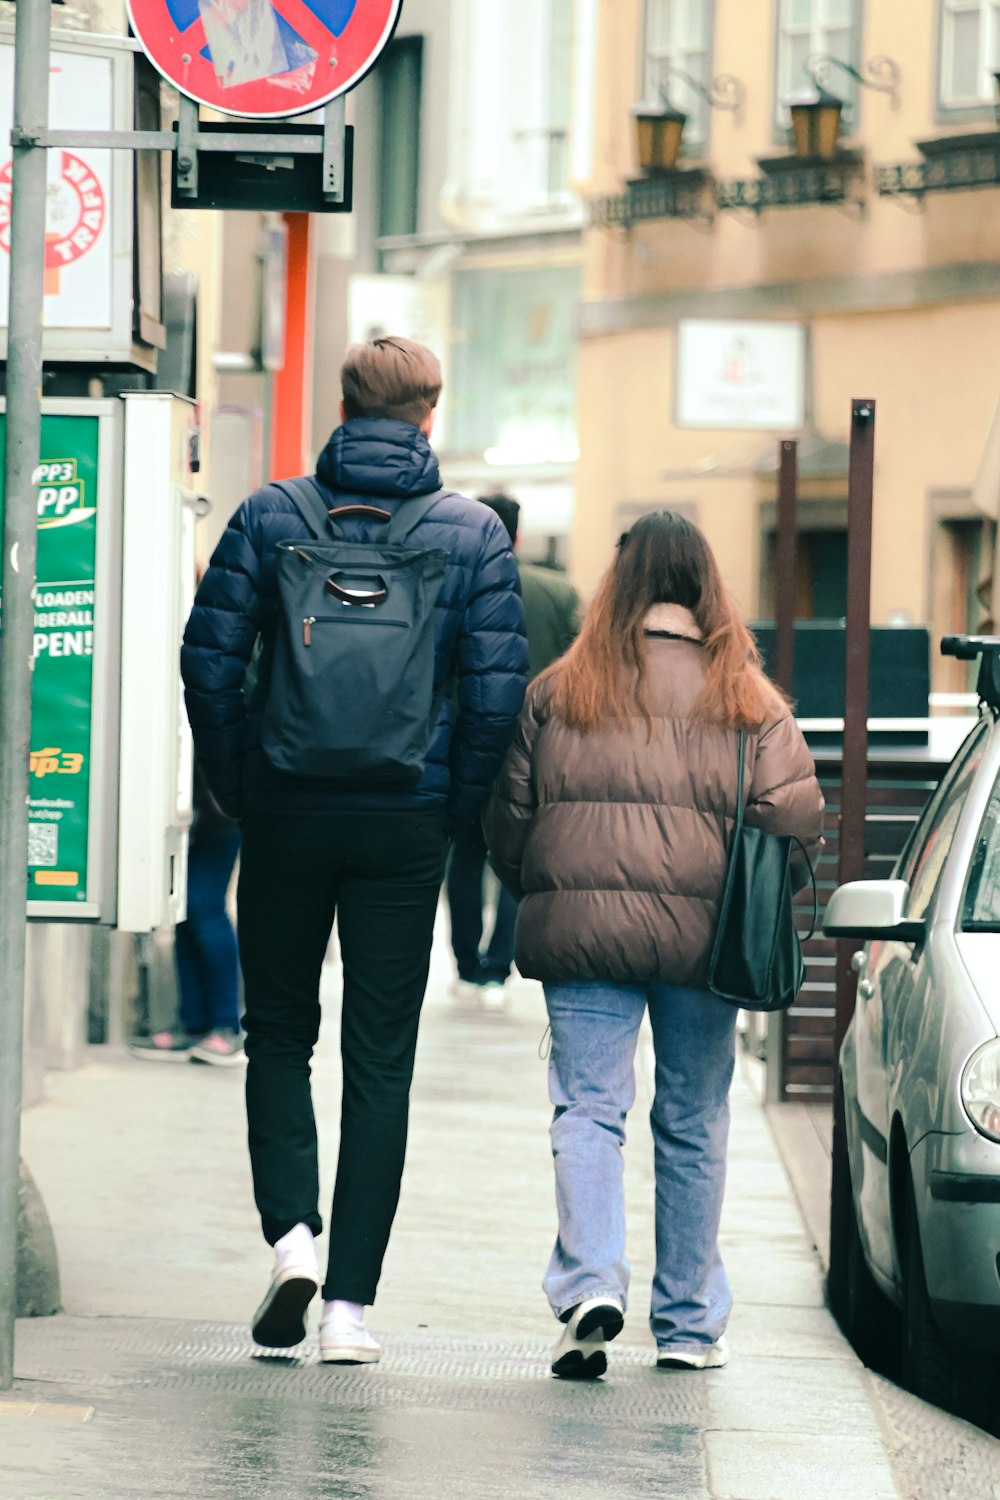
(611, 823)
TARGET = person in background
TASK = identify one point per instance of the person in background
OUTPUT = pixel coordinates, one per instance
(208, 1022)
(551, 614)
(612, 821)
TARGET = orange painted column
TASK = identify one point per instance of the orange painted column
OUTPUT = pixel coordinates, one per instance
(291, 410)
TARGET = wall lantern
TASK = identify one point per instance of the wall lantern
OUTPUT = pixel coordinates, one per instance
(660, 127)
(996, 106)
(659, 132)
(817, 118)
(816, 124)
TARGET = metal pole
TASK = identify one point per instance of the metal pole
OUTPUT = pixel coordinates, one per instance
(784, 673)
(854, 781)
(785, 564)
(854, 785)
(24, 419)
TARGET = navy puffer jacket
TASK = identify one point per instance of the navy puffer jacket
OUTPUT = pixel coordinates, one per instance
(481, 653)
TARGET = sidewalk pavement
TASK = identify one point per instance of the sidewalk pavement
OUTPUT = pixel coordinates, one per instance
(148, 1386)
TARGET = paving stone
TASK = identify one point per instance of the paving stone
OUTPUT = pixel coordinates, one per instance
(765, 1465)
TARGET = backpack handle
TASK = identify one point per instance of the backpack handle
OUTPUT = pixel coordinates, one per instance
(348, 596)
(368, 512)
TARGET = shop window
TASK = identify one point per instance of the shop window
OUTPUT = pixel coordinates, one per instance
(512, 392)
(969, 54)
(814, 28)
(679, 35)
(400, 76)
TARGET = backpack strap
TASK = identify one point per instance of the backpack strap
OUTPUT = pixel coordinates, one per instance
(308, 499)
(409, 515)
(311, 503)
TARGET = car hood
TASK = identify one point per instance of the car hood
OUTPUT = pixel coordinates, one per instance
(980, 955)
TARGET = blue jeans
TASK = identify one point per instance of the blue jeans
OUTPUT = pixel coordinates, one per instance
(205, 944)
(595, 1027)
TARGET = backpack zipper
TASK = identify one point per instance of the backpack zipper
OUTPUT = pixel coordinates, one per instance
(354, 615)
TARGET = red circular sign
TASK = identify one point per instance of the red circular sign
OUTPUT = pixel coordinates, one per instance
(75, 211)
(264, 59)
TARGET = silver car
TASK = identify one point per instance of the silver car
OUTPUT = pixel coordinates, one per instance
(915, 1253)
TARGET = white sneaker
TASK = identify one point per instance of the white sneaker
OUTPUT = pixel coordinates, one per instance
(344, 1340)
(493, 996)
(280, 1320)
(582, 1350)
(464, 992)
(712, 1357)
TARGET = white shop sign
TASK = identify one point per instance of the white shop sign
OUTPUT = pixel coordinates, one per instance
(741, 375)
(89, 237)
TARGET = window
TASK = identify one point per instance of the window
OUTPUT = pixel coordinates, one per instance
(970, 53)
(820, 573)
(546, 146)
(922, 862)
(400, 80)
(981, 910)
(816, 28)
(679, 35)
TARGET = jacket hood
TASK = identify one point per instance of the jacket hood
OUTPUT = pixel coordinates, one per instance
(376, 456)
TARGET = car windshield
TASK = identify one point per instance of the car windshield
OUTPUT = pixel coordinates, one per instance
(981, 909)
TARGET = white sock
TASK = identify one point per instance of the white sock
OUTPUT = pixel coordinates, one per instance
(344, 1312)
(298, 1245)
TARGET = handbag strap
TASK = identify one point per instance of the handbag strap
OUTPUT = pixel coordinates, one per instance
(812, 876)
(740, 789)
(740, 807)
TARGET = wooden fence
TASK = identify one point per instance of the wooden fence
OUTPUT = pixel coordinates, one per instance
(898, 789)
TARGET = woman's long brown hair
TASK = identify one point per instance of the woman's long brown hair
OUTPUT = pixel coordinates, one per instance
(664, 559)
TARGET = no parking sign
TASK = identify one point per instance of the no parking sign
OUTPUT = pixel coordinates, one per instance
(264, 59)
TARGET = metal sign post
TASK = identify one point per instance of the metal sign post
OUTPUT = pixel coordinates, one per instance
(785, 561)
(854, 773)
(24, 425)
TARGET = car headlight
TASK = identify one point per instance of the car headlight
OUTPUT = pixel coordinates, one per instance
(981, 1090)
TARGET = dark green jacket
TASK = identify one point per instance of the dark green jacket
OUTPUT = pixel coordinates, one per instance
(551, 614)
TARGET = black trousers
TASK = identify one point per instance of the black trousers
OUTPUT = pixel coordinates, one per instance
(464, 885)
(380, 875)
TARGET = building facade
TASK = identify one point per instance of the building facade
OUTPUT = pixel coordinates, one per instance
(750, 294)
(467, 234)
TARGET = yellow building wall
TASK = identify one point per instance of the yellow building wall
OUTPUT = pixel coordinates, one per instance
(933, 368)
(934, 373)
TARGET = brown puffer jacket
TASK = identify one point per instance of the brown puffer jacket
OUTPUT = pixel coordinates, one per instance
(617, 843)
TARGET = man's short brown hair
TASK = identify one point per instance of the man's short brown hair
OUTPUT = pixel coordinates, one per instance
(391, 377)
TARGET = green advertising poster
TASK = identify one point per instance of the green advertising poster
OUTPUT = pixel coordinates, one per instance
(61, 702)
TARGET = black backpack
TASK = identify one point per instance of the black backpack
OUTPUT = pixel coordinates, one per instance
(351, 697)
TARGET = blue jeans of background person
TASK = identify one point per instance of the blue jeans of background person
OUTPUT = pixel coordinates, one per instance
(595, 1027)
(466, 870)
(207, 956)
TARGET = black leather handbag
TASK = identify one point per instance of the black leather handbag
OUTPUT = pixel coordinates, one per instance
(756, 959)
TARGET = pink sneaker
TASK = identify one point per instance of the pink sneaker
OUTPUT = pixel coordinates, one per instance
(173, 1045)
(220, 1049)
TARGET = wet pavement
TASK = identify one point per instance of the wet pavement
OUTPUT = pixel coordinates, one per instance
(186, 1409)
(149, 1386)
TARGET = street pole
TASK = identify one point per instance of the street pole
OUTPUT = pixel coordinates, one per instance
(854, 770)
(24, 424)
(785, 564)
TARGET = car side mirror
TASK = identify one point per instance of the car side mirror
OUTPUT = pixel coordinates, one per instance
(872, 909)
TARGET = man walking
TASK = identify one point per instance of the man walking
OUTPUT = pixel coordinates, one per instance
(323, 837)
(551, 612)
